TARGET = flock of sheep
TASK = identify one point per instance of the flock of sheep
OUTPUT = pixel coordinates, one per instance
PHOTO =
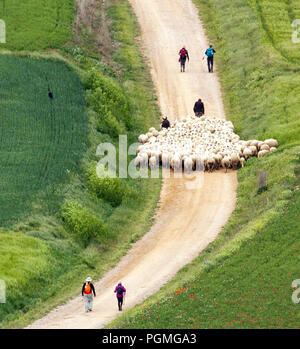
(204, 143)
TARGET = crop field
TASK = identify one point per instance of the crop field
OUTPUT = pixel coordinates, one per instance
(42, 139)
(36, 25)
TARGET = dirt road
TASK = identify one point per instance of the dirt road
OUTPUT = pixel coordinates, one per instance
(190, 216)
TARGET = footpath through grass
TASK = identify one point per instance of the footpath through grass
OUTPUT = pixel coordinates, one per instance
(67, 223)
(243, 279)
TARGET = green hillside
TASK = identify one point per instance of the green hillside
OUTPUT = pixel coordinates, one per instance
(59, 222)
(243, 279)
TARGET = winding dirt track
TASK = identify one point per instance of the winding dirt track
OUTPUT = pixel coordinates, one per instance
(192, 211)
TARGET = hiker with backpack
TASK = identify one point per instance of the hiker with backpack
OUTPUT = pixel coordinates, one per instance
(199, 108)
(183, 55)
(88, 290)
(210, 58)
(120, 291)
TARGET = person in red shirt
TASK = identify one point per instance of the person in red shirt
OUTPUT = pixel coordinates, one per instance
(120, 291)
(183, 55)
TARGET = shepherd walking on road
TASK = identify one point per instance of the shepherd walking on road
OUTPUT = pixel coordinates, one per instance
(210, 58)
(120, 291)
(183, 55)
(87, 292)
(199, 108)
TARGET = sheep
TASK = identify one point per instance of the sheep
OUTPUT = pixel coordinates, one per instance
(206, 141)
(188, 164)
(138, 160)
(260, 143)
(271, 142)
(254, 143)
(264, 147)
(176, 162)
(153, 162)
(143, 138)
(199, 163)
(225, 163)
(143, 159)
(218, 159)
(139, 148)
(210, 163)
(247, 153)
(165, 158)
(149, 134)
(235, 160)
(253, 149)
(262, 153)
(242, 161)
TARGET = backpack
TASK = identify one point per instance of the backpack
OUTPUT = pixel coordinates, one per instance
(210, 52)
(119, 290)
(87, 289)
(183, 52)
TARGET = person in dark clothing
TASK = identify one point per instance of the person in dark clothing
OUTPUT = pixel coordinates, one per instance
(183, 55)
(210, 58)
(120, 291)
(87, 292)
(199, 108)
(165, 123)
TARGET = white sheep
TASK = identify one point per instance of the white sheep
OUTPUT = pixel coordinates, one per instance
(264, 147)
(153, 162)
(261, 153)
(213, 138)
(188, 164)
(176, 163)
(225, 163)
(271, 142)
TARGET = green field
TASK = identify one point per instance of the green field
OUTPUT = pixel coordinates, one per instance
(243, 279)
(59, 221)
(41, 139)
(36, 25)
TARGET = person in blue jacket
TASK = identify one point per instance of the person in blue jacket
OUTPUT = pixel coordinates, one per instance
(210, 58)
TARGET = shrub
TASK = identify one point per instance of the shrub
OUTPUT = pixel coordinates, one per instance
(108, 101)
(81, 223)
(109, 189)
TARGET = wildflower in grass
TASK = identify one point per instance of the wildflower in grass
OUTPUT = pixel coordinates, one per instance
(178, 291)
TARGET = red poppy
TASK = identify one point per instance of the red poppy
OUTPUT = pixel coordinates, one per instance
(178, 291)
